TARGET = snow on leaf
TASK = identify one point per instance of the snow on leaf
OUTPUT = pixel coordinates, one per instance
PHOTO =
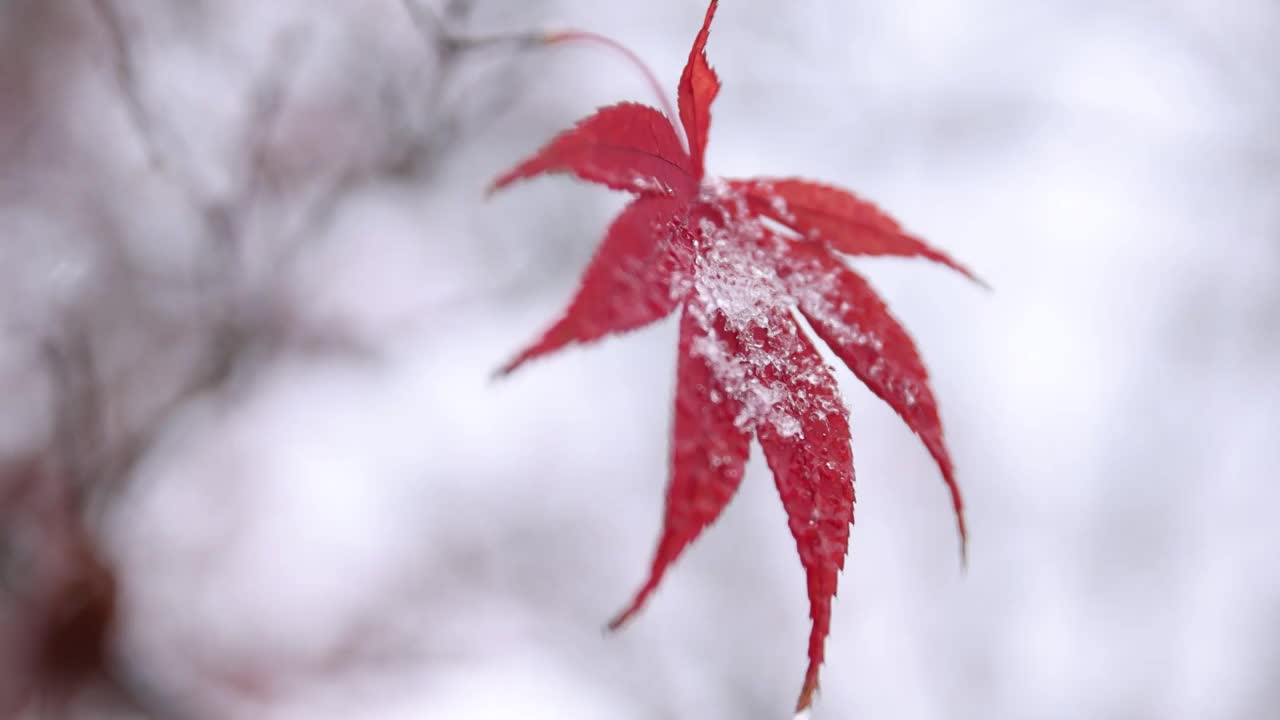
(853, 321)
(842, 220)
(746, 367)
(708, 453)
(813, 469)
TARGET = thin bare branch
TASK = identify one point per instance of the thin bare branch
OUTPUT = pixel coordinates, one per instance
(447, 44)
(268, 106)
(123, 64)
(79, 416)
(320, 211)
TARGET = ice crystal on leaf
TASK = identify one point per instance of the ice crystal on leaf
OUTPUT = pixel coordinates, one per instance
(742, 261)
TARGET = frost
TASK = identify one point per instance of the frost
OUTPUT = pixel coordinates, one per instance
(752, 343)
(740, 302)
(648, 183)
(786, 425)
(908, 395)
(733, 277)
(716, 189)
(813, 289)
(877, 368)
(746, 259)
(777, 204)
(719, 193)
(758, 401)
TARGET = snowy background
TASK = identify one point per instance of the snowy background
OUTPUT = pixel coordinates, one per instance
(356, 521)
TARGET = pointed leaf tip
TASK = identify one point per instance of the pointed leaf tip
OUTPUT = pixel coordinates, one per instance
(625, 615)
(511, 366)
(851, 318)
(699, 86)
(752, 369)
(626, 146)
(629, 283)
(806, 699)
(807, 446)
(962, 528)
(708, 448)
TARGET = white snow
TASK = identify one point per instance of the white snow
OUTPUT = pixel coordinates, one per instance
(1111, 406)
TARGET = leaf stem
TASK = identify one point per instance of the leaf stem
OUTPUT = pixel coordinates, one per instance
(449, 44)
(584, 36)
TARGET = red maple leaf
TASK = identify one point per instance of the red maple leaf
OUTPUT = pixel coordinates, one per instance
(741, 259)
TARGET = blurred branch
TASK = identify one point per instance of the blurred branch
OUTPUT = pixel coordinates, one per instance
(448, 44)
(98, 435)
(267, 107)
(78, 418)
(225, 222)
(123, 63)
(447, 47)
